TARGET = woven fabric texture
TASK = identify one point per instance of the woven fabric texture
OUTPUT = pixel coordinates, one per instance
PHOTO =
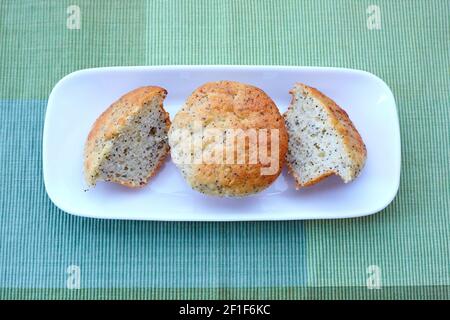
(404, 42)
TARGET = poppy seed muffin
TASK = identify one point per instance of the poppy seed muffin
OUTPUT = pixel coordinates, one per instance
(322, 139)
(128, 142)
(229, 139)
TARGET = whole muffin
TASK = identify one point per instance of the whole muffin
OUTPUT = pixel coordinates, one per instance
(228, 139)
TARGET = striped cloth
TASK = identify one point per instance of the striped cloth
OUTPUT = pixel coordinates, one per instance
(401, 252)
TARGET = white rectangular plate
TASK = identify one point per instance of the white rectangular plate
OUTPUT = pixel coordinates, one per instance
(79, 98)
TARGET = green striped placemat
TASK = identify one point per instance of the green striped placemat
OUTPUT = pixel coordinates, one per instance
(401, 252)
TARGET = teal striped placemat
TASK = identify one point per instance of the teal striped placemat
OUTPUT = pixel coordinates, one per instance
(401, 252)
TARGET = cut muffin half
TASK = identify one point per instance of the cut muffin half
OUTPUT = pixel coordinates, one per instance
(322, 139)
(128, 142)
